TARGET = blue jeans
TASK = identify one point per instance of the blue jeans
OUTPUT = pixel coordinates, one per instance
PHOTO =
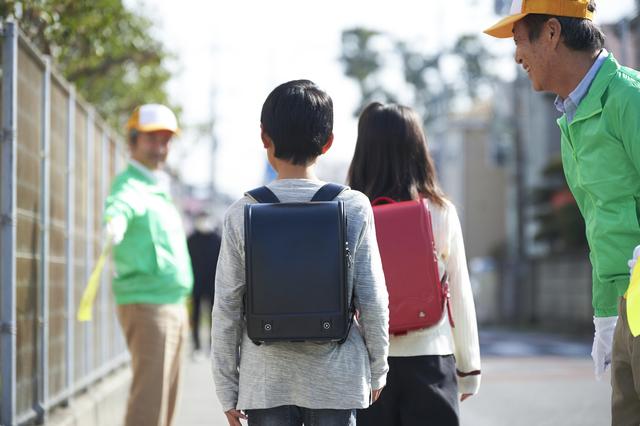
(291, 415)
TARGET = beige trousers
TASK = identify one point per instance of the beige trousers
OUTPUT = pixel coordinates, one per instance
(625, 373)
(155, 336)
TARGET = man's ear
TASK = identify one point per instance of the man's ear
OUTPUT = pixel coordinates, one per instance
(327, 144)
(266, 140)
(552, 31)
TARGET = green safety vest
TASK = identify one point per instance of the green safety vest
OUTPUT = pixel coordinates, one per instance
(152, 261)
(601, 159)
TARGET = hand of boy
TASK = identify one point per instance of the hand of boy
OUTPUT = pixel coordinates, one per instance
(375, 394)
(234, 416)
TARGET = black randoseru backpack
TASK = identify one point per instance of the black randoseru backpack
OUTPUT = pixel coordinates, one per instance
(297, 259)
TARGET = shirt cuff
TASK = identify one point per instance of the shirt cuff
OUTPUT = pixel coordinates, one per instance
(469, 384)
(227, 403)
(606, 312)
(378, 383)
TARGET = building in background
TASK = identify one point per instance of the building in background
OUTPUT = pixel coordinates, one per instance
(473, 179)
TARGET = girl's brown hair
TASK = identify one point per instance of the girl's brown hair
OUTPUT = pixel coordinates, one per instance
(391, 158)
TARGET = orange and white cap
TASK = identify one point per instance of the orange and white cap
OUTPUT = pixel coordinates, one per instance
(522, 8)
(152, 117)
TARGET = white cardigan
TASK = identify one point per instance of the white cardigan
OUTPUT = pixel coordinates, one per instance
(441, 339)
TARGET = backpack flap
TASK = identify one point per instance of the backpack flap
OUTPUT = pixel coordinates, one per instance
(409, 261)
(296, 271)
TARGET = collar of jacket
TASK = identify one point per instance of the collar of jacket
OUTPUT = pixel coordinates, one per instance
(152, 184)
(591, 104)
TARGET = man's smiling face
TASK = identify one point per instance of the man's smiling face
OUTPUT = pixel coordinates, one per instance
(533, 55)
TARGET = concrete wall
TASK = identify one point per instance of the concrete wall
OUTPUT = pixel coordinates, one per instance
(484, 200)
(101, 405)
(561, 291)
(474, 182)
(555, 293)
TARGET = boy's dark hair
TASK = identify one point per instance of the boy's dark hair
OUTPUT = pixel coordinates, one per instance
(298, 117)
(577, 33)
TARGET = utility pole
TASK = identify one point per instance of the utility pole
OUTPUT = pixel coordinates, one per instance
(515, 257)
(521, 259)
(626, 58)
(213, 144)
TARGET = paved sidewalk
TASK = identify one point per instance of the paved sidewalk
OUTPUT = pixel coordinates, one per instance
(538, 391)
(535, 391)
(529, 379)
(199, 405)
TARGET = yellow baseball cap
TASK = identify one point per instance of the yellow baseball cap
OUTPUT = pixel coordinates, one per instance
(521, 8)
(152, 117)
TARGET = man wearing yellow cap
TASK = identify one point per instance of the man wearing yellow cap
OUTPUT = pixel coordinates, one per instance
(562, 51)
(153, 270)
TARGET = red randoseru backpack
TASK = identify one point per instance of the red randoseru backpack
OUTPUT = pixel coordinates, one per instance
(417, 297)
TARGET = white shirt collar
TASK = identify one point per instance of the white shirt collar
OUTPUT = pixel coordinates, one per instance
(159, 177)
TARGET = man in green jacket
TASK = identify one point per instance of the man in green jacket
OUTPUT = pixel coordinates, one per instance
(153, 270)
(562, 51)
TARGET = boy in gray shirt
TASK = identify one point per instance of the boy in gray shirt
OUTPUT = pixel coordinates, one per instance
(291, 383)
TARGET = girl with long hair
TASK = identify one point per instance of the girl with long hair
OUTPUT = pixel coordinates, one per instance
(428, 368)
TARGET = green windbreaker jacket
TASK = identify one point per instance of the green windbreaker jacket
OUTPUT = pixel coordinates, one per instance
(152, 261)
(601, 159)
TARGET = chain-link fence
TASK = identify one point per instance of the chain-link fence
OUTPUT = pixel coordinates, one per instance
(57, 159)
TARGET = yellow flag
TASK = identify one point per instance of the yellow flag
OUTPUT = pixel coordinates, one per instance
(85, 310)
(633, 301)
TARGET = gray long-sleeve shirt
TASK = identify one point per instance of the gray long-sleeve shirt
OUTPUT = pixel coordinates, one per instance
(306, 374)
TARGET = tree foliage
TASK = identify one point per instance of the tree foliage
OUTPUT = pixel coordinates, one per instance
(362, 62)
(428, 81)
(105, 50)
(475, 59)
(422, 73)
(560, 224)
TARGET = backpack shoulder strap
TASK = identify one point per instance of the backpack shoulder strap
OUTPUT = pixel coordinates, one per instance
(329, 191)
(263, 195)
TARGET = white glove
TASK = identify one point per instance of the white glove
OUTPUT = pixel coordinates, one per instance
(115, 229)
(634, 259)
(602, 343)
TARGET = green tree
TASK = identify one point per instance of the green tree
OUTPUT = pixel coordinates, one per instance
(105, 50)
(432, 92)
(422, 73)
(475, 58)
(362, 62)
(560, 224)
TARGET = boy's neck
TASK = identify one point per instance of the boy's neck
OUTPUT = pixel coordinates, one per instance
(302, 174)
(290, 171)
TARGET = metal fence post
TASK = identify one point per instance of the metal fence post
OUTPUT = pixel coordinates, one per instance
(70, 235)
(120, 164)
(89, 233)
(43, 320)
(104, 288)
(8, 159)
